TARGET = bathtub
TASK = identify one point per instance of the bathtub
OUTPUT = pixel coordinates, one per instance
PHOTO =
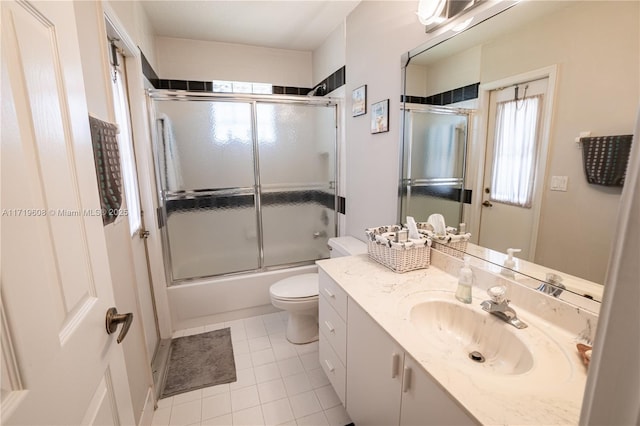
(212, 300)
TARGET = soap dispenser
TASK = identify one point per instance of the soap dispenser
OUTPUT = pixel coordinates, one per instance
(465, 281)
(510, 264)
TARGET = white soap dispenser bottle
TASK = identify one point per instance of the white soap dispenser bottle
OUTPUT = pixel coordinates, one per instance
(465, 281)
(510, 264)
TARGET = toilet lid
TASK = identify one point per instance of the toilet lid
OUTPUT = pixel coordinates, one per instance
(296, 287)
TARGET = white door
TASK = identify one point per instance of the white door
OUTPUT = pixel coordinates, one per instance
(512, 171)
(56, 286)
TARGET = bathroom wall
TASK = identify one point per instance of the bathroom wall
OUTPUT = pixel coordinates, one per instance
(377, 34)
(93, 45)
(329, 56)
(598, 91)
(183, 59)
(132, 15)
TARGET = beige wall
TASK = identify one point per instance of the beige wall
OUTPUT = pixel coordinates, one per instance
(596, 47)
(330, 56)
(184, 59)
(133, 17)
(93, 51)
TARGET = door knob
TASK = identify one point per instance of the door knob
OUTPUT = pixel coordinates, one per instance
(487, 204)
(114, 318)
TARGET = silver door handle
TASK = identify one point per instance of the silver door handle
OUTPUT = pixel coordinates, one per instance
(114, 318)
(487, 204)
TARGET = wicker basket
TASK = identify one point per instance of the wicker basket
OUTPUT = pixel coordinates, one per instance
(399, 257)
(452, 248)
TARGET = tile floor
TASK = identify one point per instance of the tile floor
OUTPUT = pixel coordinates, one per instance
(279, 383)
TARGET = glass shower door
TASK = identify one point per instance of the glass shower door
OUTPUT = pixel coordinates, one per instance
(434, 165)
(296, 144)
(206, 161)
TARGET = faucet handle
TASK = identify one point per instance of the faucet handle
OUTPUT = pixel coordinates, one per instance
(497, 293)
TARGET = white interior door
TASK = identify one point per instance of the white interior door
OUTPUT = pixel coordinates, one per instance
(504, 225)
(56, 285)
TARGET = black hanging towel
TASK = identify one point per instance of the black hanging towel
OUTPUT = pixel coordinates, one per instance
(107, 159)
(605, 159)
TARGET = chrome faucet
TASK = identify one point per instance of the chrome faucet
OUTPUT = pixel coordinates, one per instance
(552, 285)
(499, 306)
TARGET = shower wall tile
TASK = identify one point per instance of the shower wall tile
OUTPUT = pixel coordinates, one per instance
(448, 97)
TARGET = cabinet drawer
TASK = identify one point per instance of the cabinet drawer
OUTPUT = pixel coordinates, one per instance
(333, 367)
(334, 328)
(334, 294)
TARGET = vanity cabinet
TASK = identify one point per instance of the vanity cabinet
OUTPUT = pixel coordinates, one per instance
(385, 386)
(377, 382)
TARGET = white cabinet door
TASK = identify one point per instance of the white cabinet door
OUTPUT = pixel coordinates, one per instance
(425, 403)
(56, 285)
(374, 371)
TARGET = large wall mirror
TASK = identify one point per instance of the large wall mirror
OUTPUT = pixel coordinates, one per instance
(559, 70)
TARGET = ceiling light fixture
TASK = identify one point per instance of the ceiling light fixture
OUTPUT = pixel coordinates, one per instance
(430, 11)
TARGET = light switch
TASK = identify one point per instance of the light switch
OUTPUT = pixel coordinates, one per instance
(559, 183)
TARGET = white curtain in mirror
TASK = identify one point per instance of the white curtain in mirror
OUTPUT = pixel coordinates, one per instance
(515, 149)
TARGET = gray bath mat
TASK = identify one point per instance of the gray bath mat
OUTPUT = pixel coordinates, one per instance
(199, 361)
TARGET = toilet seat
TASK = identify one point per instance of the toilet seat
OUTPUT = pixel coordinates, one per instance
(296, 288)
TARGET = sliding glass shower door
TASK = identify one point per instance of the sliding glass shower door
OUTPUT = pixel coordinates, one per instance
(434, 162)
(246, 184)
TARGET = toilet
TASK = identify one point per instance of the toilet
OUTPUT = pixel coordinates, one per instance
(298, 295)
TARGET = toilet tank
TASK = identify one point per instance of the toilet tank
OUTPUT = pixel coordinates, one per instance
(346, 246)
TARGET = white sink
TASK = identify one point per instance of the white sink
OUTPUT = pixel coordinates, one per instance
(472, 337)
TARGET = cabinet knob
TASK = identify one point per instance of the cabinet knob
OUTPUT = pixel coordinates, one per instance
(406, 379)
(329, 366)
(329, 326)
(395, 364)
(329, 293)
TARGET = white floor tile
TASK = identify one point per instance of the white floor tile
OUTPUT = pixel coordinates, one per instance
(267, 372)
(275, 327)
(165, 402)
(240, 347)
(271, 391)
(244, 398)
(304, 404)
(279, 339)
(316, 419)
(249, 417)
(259, 343)
(255, 330)
(216, 390)
(186, 414)
(309, 347)
(296, 384)
(253, 321)
(310, 360)
(318, 378)
(284, 350)
(161, 416)
(337, 416)
(328, 397)
(291, 366)
(277, 412)
(273, 317)
(181, 398)
(216, 406)
(262, 357)
(243, 361)
(244, 378)
(225, 420)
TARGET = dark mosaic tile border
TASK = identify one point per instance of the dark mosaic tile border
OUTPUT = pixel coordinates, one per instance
(247, 201)
(445, 98)
(442, 191)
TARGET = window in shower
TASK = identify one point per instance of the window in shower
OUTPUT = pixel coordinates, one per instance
(246, 185)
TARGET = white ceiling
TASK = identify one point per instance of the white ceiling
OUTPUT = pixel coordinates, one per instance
(296, 25)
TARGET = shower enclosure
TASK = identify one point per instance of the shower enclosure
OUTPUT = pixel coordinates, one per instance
(246, 183)
(434, 163)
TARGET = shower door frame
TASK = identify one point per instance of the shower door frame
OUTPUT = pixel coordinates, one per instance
(405, 183)
(253, 100)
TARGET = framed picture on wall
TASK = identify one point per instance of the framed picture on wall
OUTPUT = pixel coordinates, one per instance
(380, 116)
(359, 101)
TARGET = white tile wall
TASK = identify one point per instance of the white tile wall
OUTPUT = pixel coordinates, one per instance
(278, 383)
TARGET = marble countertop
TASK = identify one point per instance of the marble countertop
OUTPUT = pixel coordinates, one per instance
(550, 393)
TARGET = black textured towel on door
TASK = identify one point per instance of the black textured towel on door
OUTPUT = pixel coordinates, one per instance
(605, 159)
(199, 361)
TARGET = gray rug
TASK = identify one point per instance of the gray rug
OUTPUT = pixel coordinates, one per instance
(199, 361)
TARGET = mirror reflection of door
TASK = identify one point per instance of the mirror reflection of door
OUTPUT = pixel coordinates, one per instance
(512, 168)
